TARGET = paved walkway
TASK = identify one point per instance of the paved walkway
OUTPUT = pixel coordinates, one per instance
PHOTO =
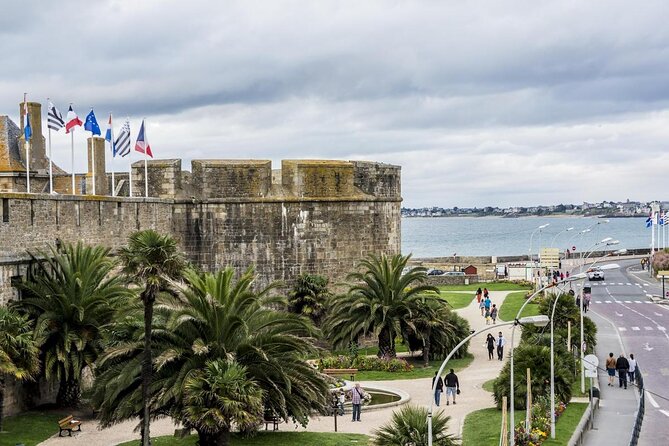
(472, 398)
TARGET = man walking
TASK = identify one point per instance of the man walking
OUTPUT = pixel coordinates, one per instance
(632, 369)
(501, 342)
(452, 386)
(622, 365)
(438, 389)
(356, 401)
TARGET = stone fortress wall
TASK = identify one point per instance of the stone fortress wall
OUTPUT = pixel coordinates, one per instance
(313, 216)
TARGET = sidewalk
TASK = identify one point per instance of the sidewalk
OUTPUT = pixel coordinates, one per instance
(614, 421)
(472, 398)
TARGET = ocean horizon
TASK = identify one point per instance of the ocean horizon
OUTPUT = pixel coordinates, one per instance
(500, 236)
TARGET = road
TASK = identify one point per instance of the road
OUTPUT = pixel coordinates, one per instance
(622, 299)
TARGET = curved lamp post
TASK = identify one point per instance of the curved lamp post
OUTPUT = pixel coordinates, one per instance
(529, 253)
(530, 320)
(561, 232)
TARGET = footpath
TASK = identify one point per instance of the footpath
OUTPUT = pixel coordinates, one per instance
(473, 397)
(615, 418)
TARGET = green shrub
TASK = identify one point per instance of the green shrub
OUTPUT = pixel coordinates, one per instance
(365, 363)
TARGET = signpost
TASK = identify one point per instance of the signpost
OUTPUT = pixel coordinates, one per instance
(662, 275)
(590, 362)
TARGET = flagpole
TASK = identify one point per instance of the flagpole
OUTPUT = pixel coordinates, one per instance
(111, 145)
(48, 103)
(27, 142)
(129, 168)
(74, 187)
(146, 170)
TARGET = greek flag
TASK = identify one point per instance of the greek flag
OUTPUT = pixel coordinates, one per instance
(55, 118)
(122, 143)
(649, 221)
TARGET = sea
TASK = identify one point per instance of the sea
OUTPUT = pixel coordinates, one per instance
(499, 236)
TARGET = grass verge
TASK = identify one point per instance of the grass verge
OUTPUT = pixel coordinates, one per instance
(489, 385)
(492, 286)
(273, 438)
(482, 427)
(30, 428)
(457, 300)
(512, 304)
(418, 371)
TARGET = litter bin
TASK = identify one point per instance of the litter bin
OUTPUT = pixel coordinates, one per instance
(595, 392)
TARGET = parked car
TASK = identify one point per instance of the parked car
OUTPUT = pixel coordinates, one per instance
(595, 274)
(454, 273)
(435, 272)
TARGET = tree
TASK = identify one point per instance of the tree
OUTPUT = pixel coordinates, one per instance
(218, 396)
(150, 260)
(408, 427)
(380, 298)
(309, 296)
(71, 295)
(18, 351)
(215, 317)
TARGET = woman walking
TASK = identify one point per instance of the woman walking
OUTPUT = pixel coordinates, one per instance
(611, 368)
(479, 293)
(490, 343)
(482, 307)
(493, 313)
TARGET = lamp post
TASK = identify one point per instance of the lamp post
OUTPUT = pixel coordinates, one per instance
(529, 320)
(561, 232)
(529, 253)
(512, 439)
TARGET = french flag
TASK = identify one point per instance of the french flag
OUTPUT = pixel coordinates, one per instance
(72, 120)
(142, 145)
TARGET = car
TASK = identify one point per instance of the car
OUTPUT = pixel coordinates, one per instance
(435, 272)
(454, 273)
(595, 274)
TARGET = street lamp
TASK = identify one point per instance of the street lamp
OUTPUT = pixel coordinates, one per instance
(594, 245)
(556, 235)
(539, 321)
(529, 253)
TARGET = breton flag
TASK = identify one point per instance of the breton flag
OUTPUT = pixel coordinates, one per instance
(122, 142)
(72, 120)
(27, 130)
(142, 145)
(54, 118)
(92, 124)
(649, 220)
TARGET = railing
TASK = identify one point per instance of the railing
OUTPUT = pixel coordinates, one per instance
(641, 409)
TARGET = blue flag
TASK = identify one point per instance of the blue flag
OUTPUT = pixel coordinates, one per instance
(28, 131)
(649, 222)
(92, 124)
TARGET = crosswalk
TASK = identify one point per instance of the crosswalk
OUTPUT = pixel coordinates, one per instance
(646, 328)
(622, 301)
(596, 284)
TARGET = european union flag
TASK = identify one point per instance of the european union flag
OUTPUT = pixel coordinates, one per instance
(91, 124)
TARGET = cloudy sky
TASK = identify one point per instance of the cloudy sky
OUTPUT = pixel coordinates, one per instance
(480, 102)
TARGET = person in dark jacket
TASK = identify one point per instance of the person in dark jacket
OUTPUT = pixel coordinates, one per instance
(438, 389)
(452, 385)
(622, 365)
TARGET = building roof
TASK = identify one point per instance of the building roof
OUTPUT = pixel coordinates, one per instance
(10, 155)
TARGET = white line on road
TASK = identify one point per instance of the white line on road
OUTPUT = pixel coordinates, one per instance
(648, 328)
(620, 283)
(597, 302)
(622, 329)
(661, 328)
(666, 412)
(652, 401)
(606, 301)
(629, 284)
(628, 301)
(635, 329)
(656, 314)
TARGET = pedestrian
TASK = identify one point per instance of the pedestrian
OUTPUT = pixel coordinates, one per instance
(567, 275)
(487, 303)
(611, 368)
(482, 307)
(623, 366)
(490, 343)
(487, 316)
(501, 342)
(493, 313)
(452, 386)
(341, 399)
(586, 302)
(479, 293)
(438, 389)
(632, 369)
(561, 276)
(357, 395)
(485, 292)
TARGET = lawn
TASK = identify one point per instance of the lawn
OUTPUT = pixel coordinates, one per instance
(482, 427)
(492, 286)
(30, 428)
(373, 350)
(418, 371)
(489, 385)
(512, 304)
(274, 438)
(457, 300)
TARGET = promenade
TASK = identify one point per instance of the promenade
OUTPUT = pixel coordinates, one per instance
(472, 398)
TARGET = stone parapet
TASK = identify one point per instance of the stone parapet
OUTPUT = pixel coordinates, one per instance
(231, 178)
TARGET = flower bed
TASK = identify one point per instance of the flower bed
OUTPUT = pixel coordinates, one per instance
(364, 363)
(541, 424)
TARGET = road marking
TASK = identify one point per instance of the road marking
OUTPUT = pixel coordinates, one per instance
(648, 328)
(661, 328)
(666, 412)
(629, 284)
(622, 329)
(597, 302)
(627, 302)
(635, 329)
(620, 283)
(652, 401)
(619, 314)
(656, 314)
(606, 301)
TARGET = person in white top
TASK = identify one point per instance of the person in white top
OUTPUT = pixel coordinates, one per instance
(632, 370)
(500, 343)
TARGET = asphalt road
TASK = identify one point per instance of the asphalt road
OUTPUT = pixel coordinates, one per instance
(621, 302)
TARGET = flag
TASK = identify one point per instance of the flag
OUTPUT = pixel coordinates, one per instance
(108, 134)
(661, 222)
(122, 143)
(27, 130)
(142, 145)
(54, 118)
(649, 221)
(92, 124)
(72, 120)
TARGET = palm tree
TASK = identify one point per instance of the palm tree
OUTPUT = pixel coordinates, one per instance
(18, 352)
(218, 396)
(215, 317)
(309, 296)
(380, 298)
(408, 428)
(71, 295)
(150, 260)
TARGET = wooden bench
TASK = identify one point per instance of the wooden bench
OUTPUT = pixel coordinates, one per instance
(341, 372)
(69, 424)
(273, 420)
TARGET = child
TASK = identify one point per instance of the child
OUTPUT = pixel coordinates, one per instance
(487, 317)
(482, 307)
